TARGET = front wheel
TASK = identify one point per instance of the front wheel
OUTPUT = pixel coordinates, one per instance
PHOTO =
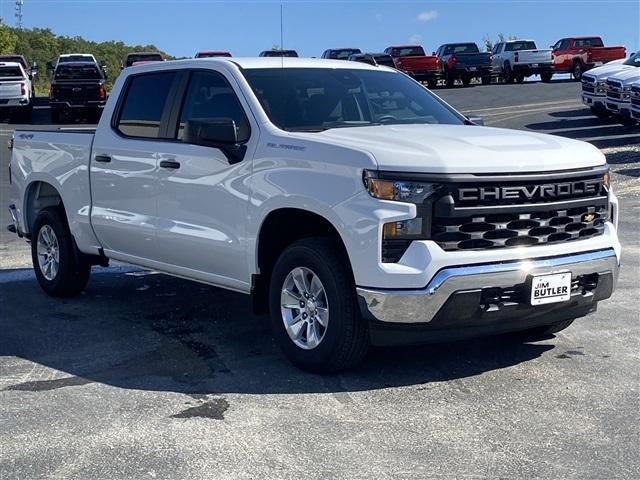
(314, 310)
(627, 121)
(519, 78)
(600, 112)
(466, 81)
(546, 76)
(486, 80)
(60, 268)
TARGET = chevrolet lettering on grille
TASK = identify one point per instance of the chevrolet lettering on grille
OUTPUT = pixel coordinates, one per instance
(531, 192)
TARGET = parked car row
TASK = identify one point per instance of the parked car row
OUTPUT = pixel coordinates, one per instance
(613, 90)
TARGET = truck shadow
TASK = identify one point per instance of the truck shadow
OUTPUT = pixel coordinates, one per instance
(152, 332)
(580, 124)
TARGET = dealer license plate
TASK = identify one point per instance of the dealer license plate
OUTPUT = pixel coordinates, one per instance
(552, 288)
(534, 65)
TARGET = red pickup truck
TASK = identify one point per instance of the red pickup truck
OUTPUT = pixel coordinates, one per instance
(412, 60)
(576, 55)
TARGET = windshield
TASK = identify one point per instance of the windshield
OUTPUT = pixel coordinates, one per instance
(634, 60)
(462, 48)
(408, 52)
(75, 58)
(10, 72)
(316, 99)
(343, 54)
(88, 72)
(516, 46)
(150, 57)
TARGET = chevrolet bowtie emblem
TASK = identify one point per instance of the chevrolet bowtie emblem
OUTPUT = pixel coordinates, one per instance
(588, 217)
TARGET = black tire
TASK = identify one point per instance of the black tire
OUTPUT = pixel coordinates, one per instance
(519, 78)
(449, 80)
(577, 70)
(466, 81)
(55, 115)
(486, 80)
(600, 112)
(73, 271)
(432, 84)
(345, 341)
(544, 332)
(546, 76)
(507, 73)
(627, 121)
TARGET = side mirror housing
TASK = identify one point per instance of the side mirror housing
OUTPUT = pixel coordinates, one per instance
(219, 133)
(476, 120)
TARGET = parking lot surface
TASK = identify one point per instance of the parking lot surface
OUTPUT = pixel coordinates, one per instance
(147, 376)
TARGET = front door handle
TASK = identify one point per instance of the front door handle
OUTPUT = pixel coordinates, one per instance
(170, 164)
(102, 158)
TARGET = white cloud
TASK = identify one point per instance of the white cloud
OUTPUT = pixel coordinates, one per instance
(415, 38)
(427, 15)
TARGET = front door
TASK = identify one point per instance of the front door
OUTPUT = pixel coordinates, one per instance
(203, 195)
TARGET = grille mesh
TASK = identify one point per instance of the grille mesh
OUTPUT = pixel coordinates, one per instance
(518, 229)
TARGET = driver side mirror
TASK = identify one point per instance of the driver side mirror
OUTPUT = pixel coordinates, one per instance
(216, 133)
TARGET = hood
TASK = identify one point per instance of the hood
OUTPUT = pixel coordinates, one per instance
(462, 148)
(601, 73)
(627, 76)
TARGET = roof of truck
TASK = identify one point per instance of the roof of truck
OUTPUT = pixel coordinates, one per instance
(279, 62)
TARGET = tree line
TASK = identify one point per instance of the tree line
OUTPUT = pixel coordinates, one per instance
(41, 45)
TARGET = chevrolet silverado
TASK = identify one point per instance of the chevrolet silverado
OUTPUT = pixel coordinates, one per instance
(354, 205)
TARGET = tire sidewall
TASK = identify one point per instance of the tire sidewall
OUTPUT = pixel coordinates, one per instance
(340, 306)
(53, 218)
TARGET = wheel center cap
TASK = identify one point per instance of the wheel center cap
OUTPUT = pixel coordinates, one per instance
(311, 306)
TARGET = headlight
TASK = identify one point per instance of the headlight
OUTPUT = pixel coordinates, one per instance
(403, 231)
(399, 190)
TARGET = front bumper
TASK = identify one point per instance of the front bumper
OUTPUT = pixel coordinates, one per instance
(595, 101)
(468, 296)
(619, 108)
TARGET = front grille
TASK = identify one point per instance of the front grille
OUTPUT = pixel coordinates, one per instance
(614, 95)
(588, 79)
(614, 84)
(635, 102)
(463, 221)
(636, 91)
(392, 250)
(588, 89)
(519, 229)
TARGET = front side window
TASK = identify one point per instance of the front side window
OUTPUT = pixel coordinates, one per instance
(520, 45)
(209, 96)
(144, 103)
(316, 99)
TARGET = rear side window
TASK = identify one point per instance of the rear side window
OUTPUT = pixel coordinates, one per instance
(209, 96)
(143, 105)
(11, 72)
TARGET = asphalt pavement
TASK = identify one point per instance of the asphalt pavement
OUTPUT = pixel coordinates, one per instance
(147, 376)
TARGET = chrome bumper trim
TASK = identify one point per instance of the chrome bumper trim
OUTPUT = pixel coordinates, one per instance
(422, 305)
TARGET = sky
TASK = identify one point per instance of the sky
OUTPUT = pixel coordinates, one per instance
(182, 27)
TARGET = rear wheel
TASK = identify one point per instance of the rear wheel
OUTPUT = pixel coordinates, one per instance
(486, 80)
(507, 73)
(61, 270)
(519, 78)
(449, 80)
(55, 115)
(546, 76)
(433, 83)
(577, 70)
(466, 81)
(314, 311)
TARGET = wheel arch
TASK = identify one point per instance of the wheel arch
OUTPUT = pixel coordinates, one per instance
(40, 194)
(275, 234)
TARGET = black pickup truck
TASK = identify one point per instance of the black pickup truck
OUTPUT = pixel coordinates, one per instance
(464, 61)
(77, 87)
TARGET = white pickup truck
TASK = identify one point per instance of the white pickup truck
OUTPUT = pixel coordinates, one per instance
(516, 60)
(16, 90)
(594, 83)
(618, 89)
(353, 204)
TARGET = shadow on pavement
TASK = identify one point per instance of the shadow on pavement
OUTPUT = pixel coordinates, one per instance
(580, 124)
(151, 332)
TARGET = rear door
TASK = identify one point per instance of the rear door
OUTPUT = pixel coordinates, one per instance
(124, 184)
(203, 195)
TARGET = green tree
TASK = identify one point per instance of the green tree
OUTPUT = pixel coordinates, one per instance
(8, 39)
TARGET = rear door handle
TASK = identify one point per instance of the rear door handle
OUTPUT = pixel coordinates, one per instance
(170, 164)
(102, 158)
